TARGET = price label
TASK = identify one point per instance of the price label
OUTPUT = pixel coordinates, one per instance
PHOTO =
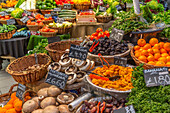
(57, 9)
(120, 61)
(67, 6)
(157, 77)
(127, 109)
(56, 78)
(3, 13)
(118, 7)
(20, 90)
(11, 22)
(102, 9)
(60, 20)
(78, 52)
(27, 12)
(47, 15)
(24, 19)
(117, 34)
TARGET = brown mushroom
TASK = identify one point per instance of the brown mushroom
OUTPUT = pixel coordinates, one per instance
(43, 92)
(65, 98)
(30, 106)
(78, 63)
(55, 66)
(80, 75)
(87, 66)
(63, 69)
(64, 55)
(47, 101)
(92, 65)
(71, 69)
(71, 78)
(66, 61)
(64, 109)
(51, 109)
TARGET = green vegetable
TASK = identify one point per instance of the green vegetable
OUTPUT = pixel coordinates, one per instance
(17, 13)
(154, 5)
(19, 3)
(6, 28)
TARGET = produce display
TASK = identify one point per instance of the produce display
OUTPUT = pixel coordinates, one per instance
(62, 2)
(66, 14)
(154, 53)
(35, 23)
(81, 1)
(46, 4)
(62, 25)
(7, 28)
(46, 29)
(17, 13)
(5, 17)
(9, 3)
(28, 5)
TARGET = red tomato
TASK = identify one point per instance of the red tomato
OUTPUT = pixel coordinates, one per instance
(107, 33)
(52, 30)
(38, 21)
(92, 37)
(41, 23)
(95, 34)
(99, 30)
(7, 17)
(50, 18)
(100, 35)
(45, 27)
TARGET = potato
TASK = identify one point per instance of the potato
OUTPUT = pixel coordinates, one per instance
(30, 106)
(43, 92)
(53, 91)
(64, 109)
(51, 109)
(36, 99)
(47, 101)
(38, 111)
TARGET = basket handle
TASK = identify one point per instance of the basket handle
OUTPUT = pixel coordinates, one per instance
(11, 89)
(27, 91)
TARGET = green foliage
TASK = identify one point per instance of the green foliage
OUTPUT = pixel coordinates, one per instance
(17, 13)
(154, 5)
(148, 99)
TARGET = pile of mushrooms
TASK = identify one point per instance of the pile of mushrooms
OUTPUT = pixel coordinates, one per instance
(49, 100)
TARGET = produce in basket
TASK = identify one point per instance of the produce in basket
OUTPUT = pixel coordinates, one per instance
(35, 23)
(62, 25)
(62, 2)
(46, 29)
(7, 28)
(45, 5)
(9, 3)
(5, 17)
(17, 13)
(154, 53)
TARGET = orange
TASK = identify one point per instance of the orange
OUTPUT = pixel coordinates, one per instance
(163, 51)
(161, 44)
(156, 51)
(164, 54)
(137, 54)
(136, 47)
(143, 58)
(168, 58)
(2, 110)
(150, 58)
(8, 106)
(141, 49)
(156, 46)
(137, 51)
(11, 101)
(151, 63)
(13, 95)
(167, 46)
(168, 64)
(18, 106)
(157, 56)
(144, 52)
(160, 63)
(153, 41)
(150, 51)
(141, 42)
(11, 111)
(147, 46)
(162, 59)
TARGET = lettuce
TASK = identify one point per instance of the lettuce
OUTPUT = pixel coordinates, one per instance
(17, 13)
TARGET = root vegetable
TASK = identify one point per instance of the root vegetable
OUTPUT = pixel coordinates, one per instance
(53, 91)
(43, 92)
(51, 109)
(30, 106)
(48, 101)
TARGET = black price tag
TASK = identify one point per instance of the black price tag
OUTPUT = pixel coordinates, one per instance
(20, 90)
(27, 12)
(102, 9)
(47, 15)
(57, 9)
(11, 22)
(78, 52)
(67, 6)
(60, 20)
(120, 61)
(127, 109)
(117, 34)
(24, 19)
(3, 13)
(118, 7)
(56, 78)
(157, 77)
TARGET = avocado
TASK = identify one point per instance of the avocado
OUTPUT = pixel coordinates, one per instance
(44, 6)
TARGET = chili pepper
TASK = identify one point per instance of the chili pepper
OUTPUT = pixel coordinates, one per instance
(103, 59)
(98, 108)
(98, 77)
(93, 46)
(104, 104)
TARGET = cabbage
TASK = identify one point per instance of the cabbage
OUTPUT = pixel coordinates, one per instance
(17, 13)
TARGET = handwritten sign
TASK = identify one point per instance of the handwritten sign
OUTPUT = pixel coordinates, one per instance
(102, 9)
(128, 109)
(56, 78)
(157, 77)
(20, 90)
(60, 20)
(120, 61)
(11, 22)
(24, 19)
(67, 6)
(27, 12)
(117, 34)
(3, 13)
(47, 15)
(78, 52)
(57, 9)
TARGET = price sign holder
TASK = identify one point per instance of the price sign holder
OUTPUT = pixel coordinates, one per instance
(24, 19)
(56, 78)
(3, 13)
(20, 90)
(127, 109)
(47, 15)
(120, 61)
(11, 22)
(67, 6)
(60, 20)
(117, 34)
(57, 9)
(102, 9)
(78, 52)
(27, 12)
(157, 77)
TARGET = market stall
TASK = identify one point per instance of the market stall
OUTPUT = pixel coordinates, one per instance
(86, 56)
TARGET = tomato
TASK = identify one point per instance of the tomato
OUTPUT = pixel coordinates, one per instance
(100, 35)
(50, 18)
(45, 27)
(51, 30)
(41, 23)
(107, 33)
(7, 17)
(95, 34)
(98, 30)
(92, 37)
(38, 21)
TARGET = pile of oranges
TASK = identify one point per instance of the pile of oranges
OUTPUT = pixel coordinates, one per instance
(154, 53)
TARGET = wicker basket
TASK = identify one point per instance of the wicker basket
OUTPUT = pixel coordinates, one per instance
(48, 34)
(19, 64)
(33, 10)
(63, 30)
(46, 11)
(5, 36)
(3, 21)
(57, 49)
(34, 27)
(48, 21)
(146, 65)
(20, 22)
(70, 19)
(103, 19)
(82, 6)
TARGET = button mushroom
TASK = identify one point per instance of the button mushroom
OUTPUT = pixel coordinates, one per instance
(65, 98)
(66, 61)
(92, 65)
(78, 63)
(55, 66)
(64, 55)
(71, 69)
(87, 66)
(80, 75)
(71, 78)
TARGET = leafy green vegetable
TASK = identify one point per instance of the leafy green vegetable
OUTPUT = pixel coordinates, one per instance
(19, 3)
(6, 28)
(154, 5)
(17, 13)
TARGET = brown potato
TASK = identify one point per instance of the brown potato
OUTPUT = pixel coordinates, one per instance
(43, 92)
(38, 111)
(53, 91)
(51, 109)
(30, 106)
(47, 101)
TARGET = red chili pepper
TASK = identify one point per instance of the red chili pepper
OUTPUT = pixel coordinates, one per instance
(103, 59)
(104, 104)
(98, 108)
(93, 46)
(98, 77)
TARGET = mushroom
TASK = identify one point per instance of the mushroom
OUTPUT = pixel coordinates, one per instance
(66, 61)
(86, 66)
(78, 63)
(64, 55)
(71, 78)
(80, 75)
(30, 106)
(92, 65)
(65, 98)
(71, 69)
(63, 69)
(55, 66)
(64, 109)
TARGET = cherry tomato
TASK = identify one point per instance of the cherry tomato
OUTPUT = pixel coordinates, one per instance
(95, 34)
(98, 30)
(100, 35)
(107, 33)
(92, 37)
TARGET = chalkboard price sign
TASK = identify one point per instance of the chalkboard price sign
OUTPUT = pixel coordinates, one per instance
(3, 13)
(24, 19)
(27, 12)
(11, 22)
(120, 61)
(127, 109)
(102, 9)
(157, 77)
(67, 6)
(20, 90)
(56, 78)
(57, 9)
(117, 34)
(47, 15)
(78, 52)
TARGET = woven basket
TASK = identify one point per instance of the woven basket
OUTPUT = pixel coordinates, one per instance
(103, 19)
(48, 21)
(82, 6)
(19, 64)
(70, 19)
(146, 65)
(34, 27)
(5, 36)
(63, 30)
(57, 49)
(46, 11)
(33, 10)
(20, 22)
(3, 21)
(48, 34)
